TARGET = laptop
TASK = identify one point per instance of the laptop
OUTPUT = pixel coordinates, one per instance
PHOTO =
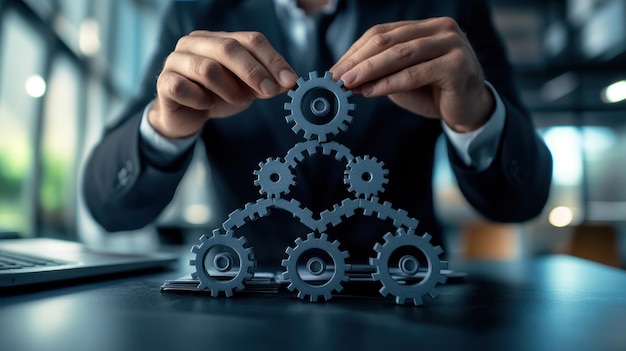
(29, 261)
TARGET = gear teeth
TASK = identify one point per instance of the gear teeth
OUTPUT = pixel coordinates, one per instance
(406, 293)
(226, 239)
(251, 212)
(314, 292)
(438, 250)
(388, 237)
(377, 247)
(304, 215)
(417, 301)
(433, 293)
(288, 251)
(341, 118)
(341, 152)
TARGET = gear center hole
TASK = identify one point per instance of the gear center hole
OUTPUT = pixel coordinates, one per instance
(223, 261)
(320, 106)
(275, 177)
(409, 265)
(316, 266)
(366, 176)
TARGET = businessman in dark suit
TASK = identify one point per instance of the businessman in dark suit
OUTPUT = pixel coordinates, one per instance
(418, 69)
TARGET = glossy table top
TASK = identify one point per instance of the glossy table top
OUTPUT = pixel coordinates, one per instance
(548, 303)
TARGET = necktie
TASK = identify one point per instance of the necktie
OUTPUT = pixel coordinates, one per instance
(324, 58)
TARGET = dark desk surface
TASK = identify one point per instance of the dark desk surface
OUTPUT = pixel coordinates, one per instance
(550, 303)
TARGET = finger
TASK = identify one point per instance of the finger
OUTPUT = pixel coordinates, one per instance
(380, 38)
(173, 87)
(210, 75)
(236, 58)
(259, 47)
(407, 79)
(396, 58)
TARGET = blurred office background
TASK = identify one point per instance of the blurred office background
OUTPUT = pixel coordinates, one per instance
(68, 66)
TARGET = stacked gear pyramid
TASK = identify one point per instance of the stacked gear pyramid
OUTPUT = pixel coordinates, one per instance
(320, 108)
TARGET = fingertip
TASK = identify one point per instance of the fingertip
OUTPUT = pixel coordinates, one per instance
(287, 78)
(337, 72)
(269, 88)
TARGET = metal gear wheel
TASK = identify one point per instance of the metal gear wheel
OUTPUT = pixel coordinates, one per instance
(401, 287)
(385, 211)
(365, 176)
(274, 178)
(222, 263)
(251, 212)
(319, 107)
(310, 250)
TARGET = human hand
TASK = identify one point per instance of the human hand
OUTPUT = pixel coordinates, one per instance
(215, 75)
(427, 67)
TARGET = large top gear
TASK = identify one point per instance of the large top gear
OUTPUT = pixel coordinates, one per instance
(319, 107)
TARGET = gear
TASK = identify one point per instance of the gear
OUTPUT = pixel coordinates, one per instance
(365, 176)
(296, 154)
(251, 212)
(334, 217)
(385, 211)
(304, 215)
(274, 178)
(319, 107)
(222, 263)
(403, 289)
(312, 248)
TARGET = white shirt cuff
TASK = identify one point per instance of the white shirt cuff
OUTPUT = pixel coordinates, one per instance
(478, 148)
(170, 149)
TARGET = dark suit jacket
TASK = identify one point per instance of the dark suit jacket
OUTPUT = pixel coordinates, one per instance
(125, 190)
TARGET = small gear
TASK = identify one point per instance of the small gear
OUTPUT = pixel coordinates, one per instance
(274, 178)
(401, 287)
(315, 251)
(319, 107)
(222, 263)
(365, 176)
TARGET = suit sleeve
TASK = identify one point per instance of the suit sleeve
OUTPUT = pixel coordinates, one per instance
(516, 185)
(123, 190)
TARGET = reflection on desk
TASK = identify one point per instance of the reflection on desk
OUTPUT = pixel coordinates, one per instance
(548, 303)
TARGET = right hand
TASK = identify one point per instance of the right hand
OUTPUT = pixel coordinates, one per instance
(215, 75)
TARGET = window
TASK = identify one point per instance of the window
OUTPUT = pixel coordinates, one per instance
(59, 153)
(22, 85)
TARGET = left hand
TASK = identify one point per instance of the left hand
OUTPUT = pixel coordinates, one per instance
(427, 67)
